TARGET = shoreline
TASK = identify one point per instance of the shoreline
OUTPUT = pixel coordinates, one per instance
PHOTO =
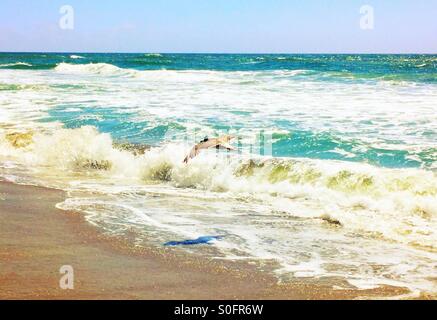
(36, 239)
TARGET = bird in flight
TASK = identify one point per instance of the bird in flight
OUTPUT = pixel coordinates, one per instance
(219, 143)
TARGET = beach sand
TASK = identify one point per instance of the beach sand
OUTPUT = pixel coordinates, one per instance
(36, 239)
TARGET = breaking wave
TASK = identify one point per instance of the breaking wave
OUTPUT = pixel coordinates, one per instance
(93, 68)
(396, 204)
(16, 65)
(73, 56)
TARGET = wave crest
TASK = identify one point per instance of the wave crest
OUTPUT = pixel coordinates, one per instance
(16, 65)
(93, 68)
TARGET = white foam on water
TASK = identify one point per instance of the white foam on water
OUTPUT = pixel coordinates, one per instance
(93, 68)
(16, 64)
(311, 218)
(389, 213)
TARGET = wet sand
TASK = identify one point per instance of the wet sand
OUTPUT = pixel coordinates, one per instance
(36, 239)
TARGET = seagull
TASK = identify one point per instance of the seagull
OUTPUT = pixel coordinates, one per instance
(219, 143)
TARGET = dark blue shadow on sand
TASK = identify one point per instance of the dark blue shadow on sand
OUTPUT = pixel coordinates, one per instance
(200, 240)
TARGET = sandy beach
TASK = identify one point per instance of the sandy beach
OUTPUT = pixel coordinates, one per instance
(36, 239)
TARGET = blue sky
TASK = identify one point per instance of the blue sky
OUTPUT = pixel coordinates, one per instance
(243, 26)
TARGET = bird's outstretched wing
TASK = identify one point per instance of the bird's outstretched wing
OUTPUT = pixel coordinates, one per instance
(194, 152)
(210, 143)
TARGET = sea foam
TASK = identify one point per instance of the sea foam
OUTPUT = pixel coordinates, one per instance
(398, 204)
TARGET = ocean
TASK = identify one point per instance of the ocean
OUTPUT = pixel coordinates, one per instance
(335, 176)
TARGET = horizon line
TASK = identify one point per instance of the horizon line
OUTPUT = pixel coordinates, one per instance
(228, 53)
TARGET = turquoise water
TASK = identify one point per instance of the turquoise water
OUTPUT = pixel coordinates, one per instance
(334, 173)
(416, 68)
(300, 140)
(296, 142)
